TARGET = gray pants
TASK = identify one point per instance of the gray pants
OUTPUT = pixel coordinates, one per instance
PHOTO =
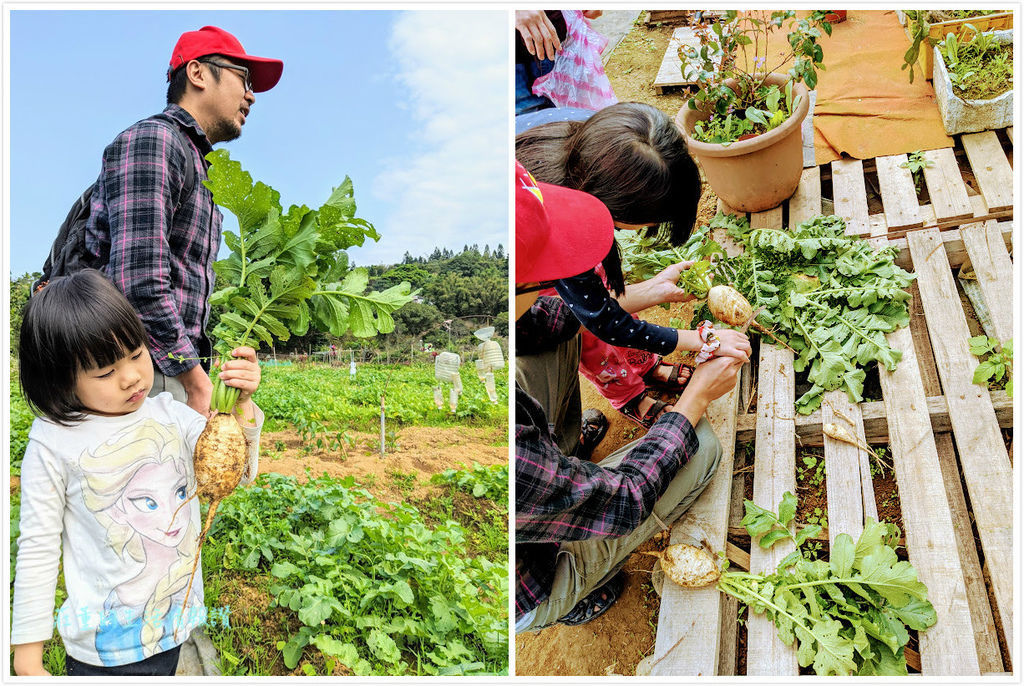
(170, 384)
(582, 566)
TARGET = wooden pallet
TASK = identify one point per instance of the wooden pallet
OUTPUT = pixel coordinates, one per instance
(941, 428)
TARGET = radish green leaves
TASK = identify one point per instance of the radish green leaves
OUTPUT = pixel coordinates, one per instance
(288, 271)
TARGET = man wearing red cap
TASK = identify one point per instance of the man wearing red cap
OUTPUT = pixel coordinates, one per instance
(153, 227)
(577, 521)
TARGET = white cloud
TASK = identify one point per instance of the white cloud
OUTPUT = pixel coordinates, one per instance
(452, 187)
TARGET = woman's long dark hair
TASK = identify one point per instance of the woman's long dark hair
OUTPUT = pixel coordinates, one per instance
(631, 157)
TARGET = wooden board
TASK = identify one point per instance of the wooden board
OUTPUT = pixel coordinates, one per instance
(928, 526)
(985, 641)
(850, 197)
(986, 466)
(898, 195)
(994, 270)
(953, 244)
(946, 187)
(670, 73)
(876, 424)
(846, 468)
(993, 172)
(774, 474)
(684, 645)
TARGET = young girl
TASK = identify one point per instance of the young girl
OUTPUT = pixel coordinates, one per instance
(631, 157)
(103, 475)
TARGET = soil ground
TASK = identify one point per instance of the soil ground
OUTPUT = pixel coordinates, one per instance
(421, 451)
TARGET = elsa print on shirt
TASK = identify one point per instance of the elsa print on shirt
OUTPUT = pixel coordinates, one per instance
(134, 485)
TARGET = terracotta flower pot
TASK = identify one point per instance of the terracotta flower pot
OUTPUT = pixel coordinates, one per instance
(836, 17)
(755, 174)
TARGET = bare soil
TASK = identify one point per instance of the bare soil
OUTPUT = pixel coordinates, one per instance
(397, 475)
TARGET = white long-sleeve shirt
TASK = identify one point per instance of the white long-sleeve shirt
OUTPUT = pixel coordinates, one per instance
(108, 489)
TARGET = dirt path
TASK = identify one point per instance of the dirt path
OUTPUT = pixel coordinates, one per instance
(421, 451)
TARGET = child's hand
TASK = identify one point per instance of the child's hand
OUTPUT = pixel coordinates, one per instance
(242, 373)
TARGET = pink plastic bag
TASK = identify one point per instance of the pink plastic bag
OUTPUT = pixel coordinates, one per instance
(578, 78)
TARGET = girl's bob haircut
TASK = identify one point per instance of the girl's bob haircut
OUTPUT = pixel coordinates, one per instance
(73, 324)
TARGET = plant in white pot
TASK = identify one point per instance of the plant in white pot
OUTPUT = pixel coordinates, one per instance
(974, 81)
(742, 124)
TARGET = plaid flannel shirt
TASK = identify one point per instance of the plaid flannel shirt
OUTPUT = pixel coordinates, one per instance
(154, 238)
(562, 498)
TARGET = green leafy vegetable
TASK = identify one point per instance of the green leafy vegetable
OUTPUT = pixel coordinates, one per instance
(288, 270)
(996, 370)
(850, 614)
(830, 296)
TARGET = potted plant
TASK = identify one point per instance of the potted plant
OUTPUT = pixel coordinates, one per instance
(974, 81)
(933, 25)
(742, 124)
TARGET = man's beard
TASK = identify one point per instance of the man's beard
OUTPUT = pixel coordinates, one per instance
(223, 130)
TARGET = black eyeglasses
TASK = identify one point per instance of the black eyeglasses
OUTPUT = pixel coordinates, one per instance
(244, 71)
(520, 290)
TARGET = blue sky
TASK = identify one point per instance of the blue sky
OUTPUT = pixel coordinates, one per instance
(412, 105)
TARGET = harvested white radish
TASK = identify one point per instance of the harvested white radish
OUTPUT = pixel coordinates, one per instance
(839, 433)
(689, 566)
(729, 306)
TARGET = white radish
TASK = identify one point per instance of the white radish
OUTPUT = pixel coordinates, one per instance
(842, 434)
(730, 307)
(689, 566)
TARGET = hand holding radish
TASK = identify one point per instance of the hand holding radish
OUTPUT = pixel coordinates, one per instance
(242, 373)
(734, 344)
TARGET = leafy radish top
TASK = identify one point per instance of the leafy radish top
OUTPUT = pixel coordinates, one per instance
(288, 270)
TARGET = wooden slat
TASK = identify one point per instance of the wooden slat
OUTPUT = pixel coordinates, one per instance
(850, 196)
(806, 201)
(946, 186)
(898, 195)
(953, 244)
(846, 467)
(985, 642)
(993, 172)
(876, 426)
(928, 526)
(684, 644)
(670, 73)
(847, 471)
(774, 474)
(986, 465)
(994, 270)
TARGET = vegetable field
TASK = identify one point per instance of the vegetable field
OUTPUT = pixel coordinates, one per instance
(338, 560)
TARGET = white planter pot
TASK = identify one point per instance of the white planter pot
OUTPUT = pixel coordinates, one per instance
(967, 116)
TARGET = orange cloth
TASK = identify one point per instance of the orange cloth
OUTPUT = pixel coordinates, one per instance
(866, 106)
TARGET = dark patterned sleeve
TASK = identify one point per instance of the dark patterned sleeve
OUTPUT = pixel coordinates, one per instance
(562, 498)
(546, 324)
(601, 315)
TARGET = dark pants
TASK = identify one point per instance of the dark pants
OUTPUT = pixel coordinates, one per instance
(161, 664)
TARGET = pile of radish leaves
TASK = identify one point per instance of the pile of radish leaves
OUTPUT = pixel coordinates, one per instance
(849, 614)
(288, 271)
(830, 296)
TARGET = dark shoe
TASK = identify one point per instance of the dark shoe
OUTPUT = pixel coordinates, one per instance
(592, 431)
(596, 603)
(677, 378)
(632, 411)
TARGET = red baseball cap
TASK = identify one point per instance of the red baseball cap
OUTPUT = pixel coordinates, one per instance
(560, 232)
(210, 40)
